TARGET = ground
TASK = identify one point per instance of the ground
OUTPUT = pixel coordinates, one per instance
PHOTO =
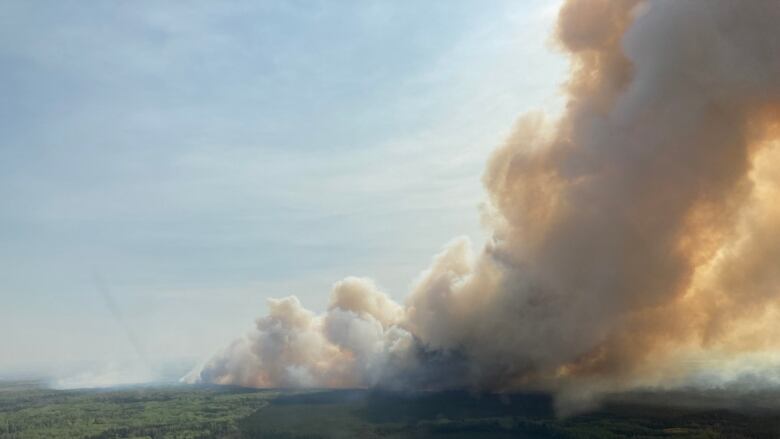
(29, 410)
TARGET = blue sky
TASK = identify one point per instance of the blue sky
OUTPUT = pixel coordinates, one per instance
(200, 157)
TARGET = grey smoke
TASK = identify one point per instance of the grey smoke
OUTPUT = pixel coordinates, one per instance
(635, 238)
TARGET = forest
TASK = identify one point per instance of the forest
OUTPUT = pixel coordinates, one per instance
(30, 410)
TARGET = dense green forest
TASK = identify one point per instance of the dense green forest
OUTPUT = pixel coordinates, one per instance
(28, 410)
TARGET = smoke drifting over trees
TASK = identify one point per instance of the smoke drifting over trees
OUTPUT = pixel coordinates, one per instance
(634, 239)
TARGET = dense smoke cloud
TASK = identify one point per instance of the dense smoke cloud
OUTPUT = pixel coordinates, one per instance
(635, 239)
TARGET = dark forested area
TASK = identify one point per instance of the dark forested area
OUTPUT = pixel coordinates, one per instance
(28, 410)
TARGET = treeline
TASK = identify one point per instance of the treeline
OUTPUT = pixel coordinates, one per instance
(208, 430)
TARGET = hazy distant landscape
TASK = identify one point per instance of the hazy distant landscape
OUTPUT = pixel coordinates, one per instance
(28, 410)
(390, 219)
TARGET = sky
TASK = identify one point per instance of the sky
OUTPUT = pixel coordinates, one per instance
(165, 167)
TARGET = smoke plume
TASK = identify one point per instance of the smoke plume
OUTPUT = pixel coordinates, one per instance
(635, 239)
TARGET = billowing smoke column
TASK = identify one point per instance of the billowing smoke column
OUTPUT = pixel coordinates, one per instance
(636, 240)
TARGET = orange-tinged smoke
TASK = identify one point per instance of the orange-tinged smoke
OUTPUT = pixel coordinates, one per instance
(636, 239)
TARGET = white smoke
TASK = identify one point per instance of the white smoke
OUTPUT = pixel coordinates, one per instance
(635, 239)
